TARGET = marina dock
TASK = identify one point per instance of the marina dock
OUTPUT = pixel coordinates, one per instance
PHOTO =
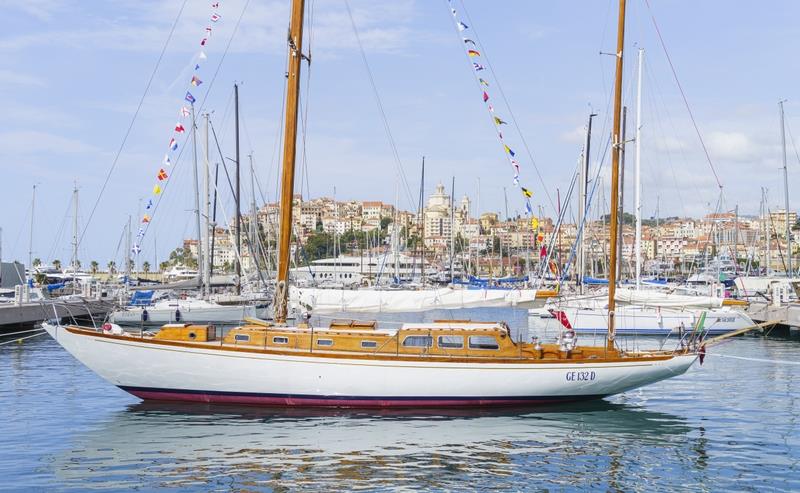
(787, 313)
(13, 316)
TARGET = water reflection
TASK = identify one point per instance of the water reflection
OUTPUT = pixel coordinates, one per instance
(204, 446)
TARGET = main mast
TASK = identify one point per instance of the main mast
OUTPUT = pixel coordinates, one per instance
(789, 270)
(200, 236)
(582, 220)
(207, 238)
(615, 154)
(30, 239)
(638, 172)
(289, 153)
(74, 262)
(238, 198)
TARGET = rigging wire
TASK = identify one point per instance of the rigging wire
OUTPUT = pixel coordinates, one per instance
(133, 119)
(654, 103)
(224, 54)
(791, 139)
(508, 106)
(304, 107)
(222, 158)
(683, 94)
(23, 223)
(59, 233)
(199, 111)
(384, 118)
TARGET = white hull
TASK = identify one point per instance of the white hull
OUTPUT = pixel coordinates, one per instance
(209, 374)
(636, 320)
(186, 311)
(653, 298)
(400, 300)
(755, 286)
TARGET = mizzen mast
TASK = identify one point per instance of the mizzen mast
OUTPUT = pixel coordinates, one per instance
(615, 154)
(289, 152)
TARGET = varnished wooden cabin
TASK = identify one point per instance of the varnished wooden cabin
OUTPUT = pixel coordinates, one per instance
(441, 339)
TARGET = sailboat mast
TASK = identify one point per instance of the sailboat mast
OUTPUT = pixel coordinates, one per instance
(395, 232)
(582, 221)
(289, 153)
(75, 229)
(128, 259)
(238, 198)
(767, 230)
(255, 241)
(30, 240)
(197, 202)
(207, 239)
(615, 155)
(422, 215)
(452, 225)
(736, 237)
(638, 172)
(620, 243)
(790, 271)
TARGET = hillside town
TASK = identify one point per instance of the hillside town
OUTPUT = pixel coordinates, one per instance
(324, 227)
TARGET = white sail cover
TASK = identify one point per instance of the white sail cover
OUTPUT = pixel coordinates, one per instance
(655, 298)
(404, 300)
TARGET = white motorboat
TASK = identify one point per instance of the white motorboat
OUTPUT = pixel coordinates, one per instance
(189, 310)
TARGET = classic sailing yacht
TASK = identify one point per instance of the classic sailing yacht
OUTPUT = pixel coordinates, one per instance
(443, 363)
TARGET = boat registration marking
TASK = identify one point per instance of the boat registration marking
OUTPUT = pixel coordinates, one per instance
(580, 376)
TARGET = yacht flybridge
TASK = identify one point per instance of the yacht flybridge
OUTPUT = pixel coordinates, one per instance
(447, 363)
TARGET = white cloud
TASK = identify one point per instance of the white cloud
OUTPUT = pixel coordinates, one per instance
(33, 142)
(43, 10)
(737, 146)
(12, 77)
(382, 28)
(575, 136)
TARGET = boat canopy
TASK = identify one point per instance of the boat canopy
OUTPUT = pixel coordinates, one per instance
(142, 298)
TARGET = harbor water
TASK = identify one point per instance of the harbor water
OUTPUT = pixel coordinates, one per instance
(732, 424)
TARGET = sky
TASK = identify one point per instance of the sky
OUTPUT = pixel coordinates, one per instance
(73, 73)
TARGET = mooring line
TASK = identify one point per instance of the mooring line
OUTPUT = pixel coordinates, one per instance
(3, 336)
(22, 338)
(776, 361)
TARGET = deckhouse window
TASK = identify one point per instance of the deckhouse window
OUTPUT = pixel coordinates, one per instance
(324, 342)
(418, 341)
(242, 337)
(280, 340)
(483, 342)
(369, 344)
(451, 342)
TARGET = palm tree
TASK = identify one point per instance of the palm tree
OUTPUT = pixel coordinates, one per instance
(112, 267)
(57, 264)
(37, 262)
(94, 266)
(146, 267)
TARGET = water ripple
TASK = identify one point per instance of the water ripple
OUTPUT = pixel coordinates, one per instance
(729, 425)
